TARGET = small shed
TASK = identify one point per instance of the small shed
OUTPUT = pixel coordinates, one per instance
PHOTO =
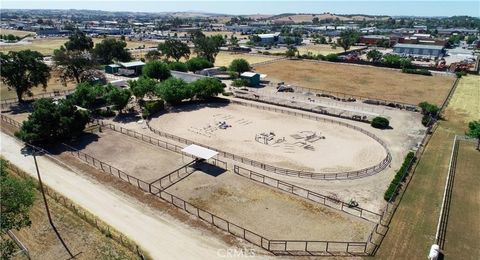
(252, 78)
(112, 68)
(133, 68)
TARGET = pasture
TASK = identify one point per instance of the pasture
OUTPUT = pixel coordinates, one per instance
(46, 46)
(371, 82)
(16, 32)
(414, 224)
(463, 229)
(225, 58)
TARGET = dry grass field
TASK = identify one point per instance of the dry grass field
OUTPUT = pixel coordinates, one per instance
(135, 157)
(53, 85)
(360, 80)
(225, 58)
(79, 235)
(466, 100)
(46, 46)
(463, 229)
(414, 224)
(271, 213)
(331, 148)
(323, 49)
(16, 32)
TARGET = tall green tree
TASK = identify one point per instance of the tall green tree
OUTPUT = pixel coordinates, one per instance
(206, 87)
(79, 41)
(156, 70)
(17, 198)
(291, 51)
(153, 55)
(175, 49)
(374, 55)
(474, 131)
(111, 49)
(347, 39)
(174, 90)
(72, 63)
(208, 46)
(86, 94)
(239, 66)
(23, 70)
(118, 98)
(198, 63)
(51, 122)
(142, 86)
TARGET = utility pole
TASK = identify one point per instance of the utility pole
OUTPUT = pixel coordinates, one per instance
(48, 210)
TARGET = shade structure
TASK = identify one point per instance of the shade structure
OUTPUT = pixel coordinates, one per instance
(199, 151)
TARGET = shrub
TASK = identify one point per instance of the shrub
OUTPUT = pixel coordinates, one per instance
(424, 72)
(380, 122)
(239, 83)
(331, 57)
(198, 63)
(427, 120)
(429, 109)
(391, 191)
(178, 66)
(460, 74)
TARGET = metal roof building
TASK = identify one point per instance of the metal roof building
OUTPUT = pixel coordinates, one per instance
(419, 50)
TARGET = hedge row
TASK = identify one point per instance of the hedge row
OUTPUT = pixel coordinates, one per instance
(417, 71)
(391, 192)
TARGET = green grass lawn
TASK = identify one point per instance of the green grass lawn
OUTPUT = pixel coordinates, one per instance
(413, 226)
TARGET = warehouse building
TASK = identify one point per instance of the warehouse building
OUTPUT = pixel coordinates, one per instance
(419, 50)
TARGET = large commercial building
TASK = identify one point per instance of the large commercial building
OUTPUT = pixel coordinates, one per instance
(419, 50)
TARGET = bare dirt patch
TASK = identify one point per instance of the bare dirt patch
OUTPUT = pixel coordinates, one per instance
(273, 138)
(269, 212)
(360, 80)
(132, 156)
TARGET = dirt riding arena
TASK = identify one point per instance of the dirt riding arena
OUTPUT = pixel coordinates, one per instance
(139, 159)
(282, 140)
(270, 213)
(377, 83)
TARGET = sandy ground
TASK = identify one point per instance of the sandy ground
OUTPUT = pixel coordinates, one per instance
(405, 135)
(342, 149)
(137, 158)
(268, 212)
(161, 235)
(360, 80)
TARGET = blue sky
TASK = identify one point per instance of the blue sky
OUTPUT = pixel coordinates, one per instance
(387, 7)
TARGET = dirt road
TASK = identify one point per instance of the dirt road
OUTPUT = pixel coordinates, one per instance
(161, 235)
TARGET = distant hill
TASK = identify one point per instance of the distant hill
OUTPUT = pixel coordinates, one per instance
(306, 18)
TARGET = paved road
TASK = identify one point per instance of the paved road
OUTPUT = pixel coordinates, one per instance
(161, 235)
